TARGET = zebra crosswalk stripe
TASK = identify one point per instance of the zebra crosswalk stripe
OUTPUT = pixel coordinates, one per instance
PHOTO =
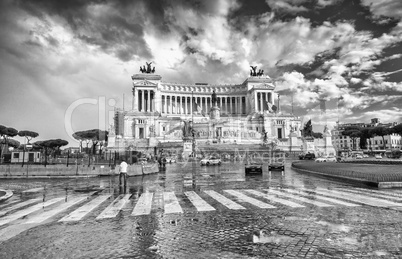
(9, 204)
(275, 199)
(373, 194)
(250, 200)
(304, 192)
(171, 204)
(54, 211)
(34, 190)
(27, 211)
(224, 201)
(294, 197)
(357, 198)
(198, 202)
(79, 213)
(115, 207)
(144, 204)
(381, 192)
(17, 206)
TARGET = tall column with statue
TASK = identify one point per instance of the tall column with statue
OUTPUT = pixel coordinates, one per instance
(215, 111)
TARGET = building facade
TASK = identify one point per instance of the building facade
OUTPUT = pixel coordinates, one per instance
(235, 114)
(345, 143)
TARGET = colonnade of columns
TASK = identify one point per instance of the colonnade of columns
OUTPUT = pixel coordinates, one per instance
(261, 98)
(182, 104)
(177, 104)
(146, 100)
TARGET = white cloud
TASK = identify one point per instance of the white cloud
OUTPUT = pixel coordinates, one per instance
(390, 8)
(291, 6)
(386, 115)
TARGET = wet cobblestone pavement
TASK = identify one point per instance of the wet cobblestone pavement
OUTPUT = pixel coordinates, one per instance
(319, 229)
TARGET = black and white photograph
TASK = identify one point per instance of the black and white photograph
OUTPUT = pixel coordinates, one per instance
(200, 129)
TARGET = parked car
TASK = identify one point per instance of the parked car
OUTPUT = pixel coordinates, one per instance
(359, 157)
(308, 156)
(253, 168)
(331, 159)
(276, 166)
(170, 160)
(211, 161)
(321, 159)
(366, 156)
(378, 156)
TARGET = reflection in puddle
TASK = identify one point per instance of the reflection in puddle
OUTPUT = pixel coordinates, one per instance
(335, 227)
(272, 237)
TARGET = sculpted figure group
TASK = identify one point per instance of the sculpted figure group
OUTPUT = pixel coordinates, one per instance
(148, 69)
(253, 71)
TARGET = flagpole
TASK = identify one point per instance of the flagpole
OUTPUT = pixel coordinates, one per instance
(292, 103)
(192, 124)
(123, 102)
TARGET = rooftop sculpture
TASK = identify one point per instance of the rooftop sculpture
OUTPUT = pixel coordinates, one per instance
(148, 69)
(253, 71)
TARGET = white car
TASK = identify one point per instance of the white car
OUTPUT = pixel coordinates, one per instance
(331, 159)
(211, 161)
(321, 159)
(359, 157)
(378, 156)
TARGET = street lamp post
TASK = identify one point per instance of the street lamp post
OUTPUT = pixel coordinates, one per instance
(28, 147)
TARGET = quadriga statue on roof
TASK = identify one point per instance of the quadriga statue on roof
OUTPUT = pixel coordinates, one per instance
(253, 71)
(148, 69)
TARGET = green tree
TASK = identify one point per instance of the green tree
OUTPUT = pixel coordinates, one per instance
(29, 135)
(382, 132)
(96, 136)
(365, 134)
(397, 129)
(6, 133)
(11, 143)
(307, 129)
(353, 133)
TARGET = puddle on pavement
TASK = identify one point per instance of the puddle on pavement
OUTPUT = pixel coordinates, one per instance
(263, 237)
(335, 227)
(379, 253)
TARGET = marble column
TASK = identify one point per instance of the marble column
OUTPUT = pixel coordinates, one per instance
(191, 104)
(226, 104)
(142, 100)
(185, 106)
(148, 101)
(165, 104)
(261, 100)
(255, 102)
(236, 106)
(135, 104)
(241, 105)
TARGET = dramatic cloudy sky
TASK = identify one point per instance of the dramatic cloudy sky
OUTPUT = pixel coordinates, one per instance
(58, 57)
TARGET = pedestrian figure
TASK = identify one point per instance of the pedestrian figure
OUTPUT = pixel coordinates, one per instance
(123, 173)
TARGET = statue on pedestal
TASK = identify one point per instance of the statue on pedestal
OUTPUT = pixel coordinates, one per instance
(187, 129)
(214, 98)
